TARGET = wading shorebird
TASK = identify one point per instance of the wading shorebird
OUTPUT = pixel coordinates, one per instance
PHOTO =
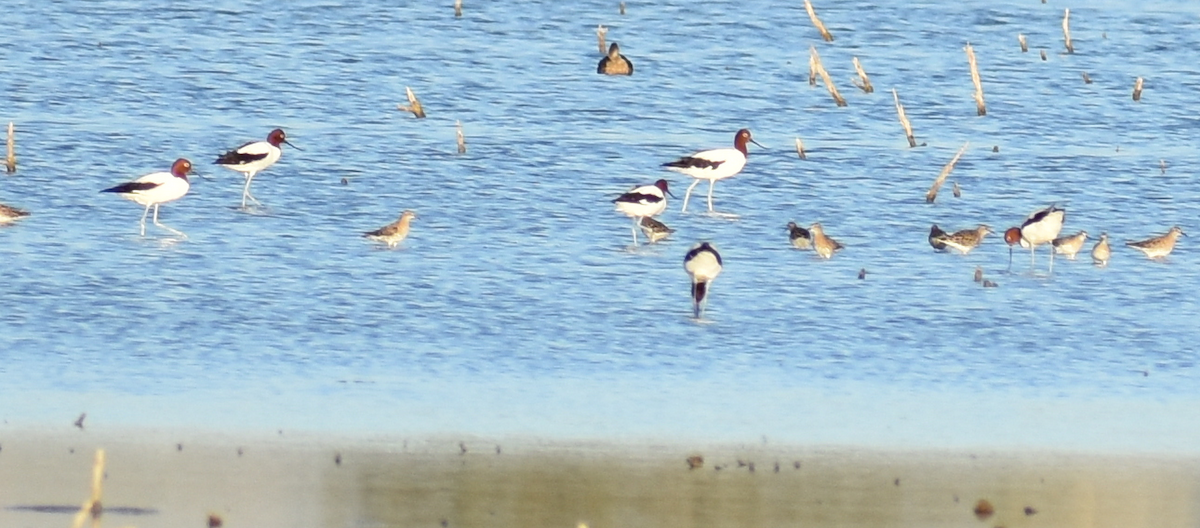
(713, 165)
(824, 245)
(253, 157)
(155, 189)
(1069, 245)
(615, 63)
(653, 229)
(644, 201)
(9, 215)
(800, 237)
(935, 238)
(1101, 252)
(393, 233)
(1159, 246)
(1041, 227)
(703, 264)
(965, 240)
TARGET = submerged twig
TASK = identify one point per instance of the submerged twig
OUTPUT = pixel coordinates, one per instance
(1024, 45)
(1137, 89)
(1067, 30)
(833, 91)
(10, 160)
(865, 82)
(458, 8)
(414, 105)
(937, 184)
(800, 149)
(812, 14)
(908, 132)
(601, 31)
(980, 106)
(462, 141)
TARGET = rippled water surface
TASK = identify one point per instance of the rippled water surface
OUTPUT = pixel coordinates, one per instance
(517, 305)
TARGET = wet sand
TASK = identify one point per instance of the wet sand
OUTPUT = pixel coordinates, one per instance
(291, 480)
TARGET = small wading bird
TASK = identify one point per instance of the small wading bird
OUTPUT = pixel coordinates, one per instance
(615, 63)
(800, 237)
(1101, 252)
(9, 215)
(824, 246)
(703, 264)
(1159, 246)
(713, 165)
(642, 202)
(393, 233)
(654, 230)
(965, 240)
(155, 189)
(1041, 227)
(253, 157)
(1069, 245)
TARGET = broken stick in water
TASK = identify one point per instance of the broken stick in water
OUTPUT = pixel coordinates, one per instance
(812, 14)
(458, 8)
(92, 507)
(1043, 54)
(601, 31)
(812, 70)
(912, 141)
(622, 8)
(937, 184)
(462, 141)
(1137, 90)
(865, 84)
(816, 59)
(980, 106)
(1024, 45)
(800, 149)
(414, 105)
(1067, 30)
(10, 161)
(1086, 79)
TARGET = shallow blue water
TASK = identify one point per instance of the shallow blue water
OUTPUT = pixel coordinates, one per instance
(516, 306)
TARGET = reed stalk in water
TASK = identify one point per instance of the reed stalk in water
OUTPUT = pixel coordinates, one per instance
(462, 140)
(864, 83)
(414, 105)
(980, 105)
(812, 14)
(601, 31)
(10, 160)
(800, 149)
(1067, 30)
(937, 184)
(908, 132)
(833, 91)
(1137, 89)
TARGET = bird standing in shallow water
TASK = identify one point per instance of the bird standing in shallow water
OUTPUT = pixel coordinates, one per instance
(1101, 252)
(713, 165)
(824, 245)
(9, 215)
(615, 63)
(1041, 227)
(965, 240)
(155, 189)
(703, 264)
(653, 229)
(393, 233)
(643, 201)
(800, 237)
(253, 157)
(1159, 246)
(1069, 245)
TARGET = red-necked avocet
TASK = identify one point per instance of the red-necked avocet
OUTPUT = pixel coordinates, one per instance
(644, 201)
(394, 232)
(713, 165)
(703, 264)
(9, 215)
(253, 157)
(1041, 227)
(155, 189)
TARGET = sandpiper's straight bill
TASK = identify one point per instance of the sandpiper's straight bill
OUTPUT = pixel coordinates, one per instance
(800, 237)
(253, 157)
(1101, 252)
(935, 238)
(642, 202)
(965, 240)
(395, 232)
(1069, 245)
(654, 230)
(9, 215)
(615, 63)
(703, 264)
(1041, 227)
(155, 189)
(713, 165)
(1159, 246)
(824, 246)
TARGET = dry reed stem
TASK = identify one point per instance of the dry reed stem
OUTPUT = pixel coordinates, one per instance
(414, 105)
(10, 160)
(601, 31)
(980, 106)
(912, 141)
(1067, 30)
(800, 149)
(1137, 90)
(1086, 79)
(458, 8)
(833, 91)
(865, 85)
(937, 184)
(812, 70)
(622, 8)
(1024, 45)
(1162, 165)
(812, 14)
(91, 507)
(1043, 54)
(462, 141)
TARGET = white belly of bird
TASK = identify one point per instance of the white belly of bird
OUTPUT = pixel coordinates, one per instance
(642, 209)
(273, 153)
(170, 188)
(704, 267)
